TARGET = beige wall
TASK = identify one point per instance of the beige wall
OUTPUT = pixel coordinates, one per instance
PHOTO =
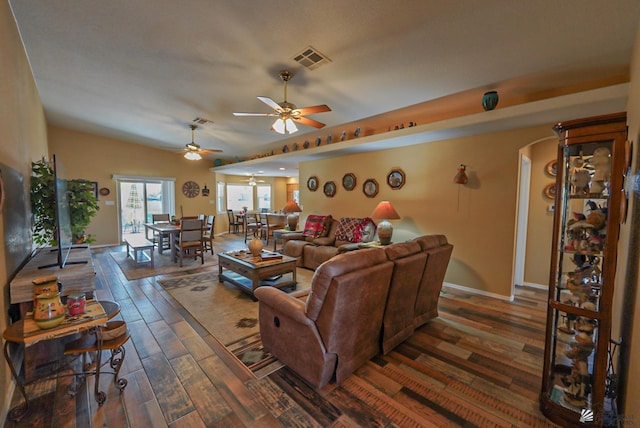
(478, 218)
(23, 140)
(540, 219)
(97, 158)
(628, 271)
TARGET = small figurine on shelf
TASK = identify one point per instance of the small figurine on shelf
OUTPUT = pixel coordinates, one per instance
(580, 179)
(601, 164)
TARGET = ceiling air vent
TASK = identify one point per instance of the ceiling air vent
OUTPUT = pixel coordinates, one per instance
(202, 121)
(311, 58)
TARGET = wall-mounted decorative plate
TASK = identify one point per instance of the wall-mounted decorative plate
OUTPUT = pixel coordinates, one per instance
(329, 189)
(312, 183)
(550, 191)
(551, 168)
(370, 187)
(396, 178)
(104, 191)
(349, 181)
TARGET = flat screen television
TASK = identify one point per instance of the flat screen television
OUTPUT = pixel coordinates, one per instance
(64, 235)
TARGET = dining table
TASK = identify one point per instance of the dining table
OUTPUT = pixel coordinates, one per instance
(165, 230)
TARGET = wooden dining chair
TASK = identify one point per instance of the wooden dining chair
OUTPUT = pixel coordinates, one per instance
(252, 225)
(208, 234)
(189, 242)
(273, 222)
(157, 239)
(234, 223)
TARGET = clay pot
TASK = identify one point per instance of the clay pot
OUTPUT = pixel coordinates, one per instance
(45, 284)
(48, 311)
(255, 246)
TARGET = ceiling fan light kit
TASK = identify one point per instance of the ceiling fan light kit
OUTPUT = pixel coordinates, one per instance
(192, 150)
(287, 113)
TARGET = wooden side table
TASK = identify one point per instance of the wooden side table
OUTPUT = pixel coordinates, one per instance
(96, 315)
(277, 236)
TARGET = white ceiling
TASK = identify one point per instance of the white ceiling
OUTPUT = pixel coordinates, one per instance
(141, 71)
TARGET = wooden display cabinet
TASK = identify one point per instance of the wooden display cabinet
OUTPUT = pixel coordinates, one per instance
(579, 381)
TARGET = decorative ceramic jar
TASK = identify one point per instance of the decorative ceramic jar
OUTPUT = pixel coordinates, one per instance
(490, 100)
(255, 246)
(76, 304)
(48, 311)
(45, 284)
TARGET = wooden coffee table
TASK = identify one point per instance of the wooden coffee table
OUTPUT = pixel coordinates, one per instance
(247, 272)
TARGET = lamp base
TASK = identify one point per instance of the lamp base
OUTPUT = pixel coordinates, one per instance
(385, 232)
(292, 221)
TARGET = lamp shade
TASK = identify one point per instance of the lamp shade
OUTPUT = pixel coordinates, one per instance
(385, 211)
(292, 209)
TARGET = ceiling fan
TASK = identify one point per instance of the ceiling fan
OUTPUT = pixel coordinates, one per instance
(252, 180)
(192, 150)
(287, 112)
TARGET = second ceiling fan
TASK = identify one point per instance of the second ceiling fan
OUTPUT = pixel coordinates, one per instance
(287, 112)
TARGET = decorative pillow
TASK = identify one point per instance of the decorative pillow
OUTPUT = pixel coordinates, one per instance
(349, 229)
(352, 229)
(368, 230)
(315, 225)
(328, 221)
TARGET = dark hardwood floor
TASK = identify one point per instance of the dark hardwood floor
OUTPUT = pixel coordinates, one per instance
(478, 364)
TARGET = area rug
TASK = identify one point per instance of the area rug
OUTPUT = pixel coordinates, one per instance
(229, 314)
(162, 265)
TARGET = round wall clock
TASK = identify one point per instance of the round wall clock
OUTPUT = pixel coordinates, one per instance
(190, 189)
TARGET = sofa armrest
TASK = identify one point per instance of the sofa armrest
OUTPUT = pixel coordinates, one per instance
(348, 247)
(283, 303)
(325, 241)
(292, 236)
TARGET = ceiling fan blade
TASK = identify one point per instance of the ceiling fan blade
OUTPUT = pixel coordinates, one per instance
(268, 101)
(311, 110)
(210, 151)
(308, 122)
(254, 114)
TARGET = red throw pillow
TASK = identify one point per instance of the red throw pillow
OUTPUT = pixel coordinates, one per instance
(314, 226)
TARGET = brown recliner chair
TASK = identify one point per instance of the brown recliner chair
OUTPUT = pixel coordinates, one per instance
(337, 328)
(439, 253)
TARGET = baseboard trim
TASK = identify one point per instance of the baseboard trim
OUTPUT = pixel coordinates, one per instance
(480, 292)
(534, 285)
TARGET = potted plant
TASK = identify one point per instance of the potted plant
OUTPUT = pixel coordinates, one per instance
(83, 205)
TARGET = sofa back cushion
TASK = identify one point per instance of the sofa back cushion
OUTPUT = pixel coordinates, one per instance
(317, 226)
(352, 229)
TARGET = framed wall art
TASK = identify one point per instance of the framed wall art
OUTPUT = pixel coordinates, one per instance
(396, 178)
(370, 188)
(349, 181)
(312, 183)
(329, 189)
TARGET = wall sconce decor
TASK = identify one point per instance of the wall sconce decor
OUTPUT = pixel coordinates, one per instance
(205, 191)
(461, 176)
(490, 100)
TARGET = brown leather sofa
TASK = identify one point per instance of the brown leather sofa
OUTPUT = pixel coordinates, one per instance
(360, 303)
(311, 252)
